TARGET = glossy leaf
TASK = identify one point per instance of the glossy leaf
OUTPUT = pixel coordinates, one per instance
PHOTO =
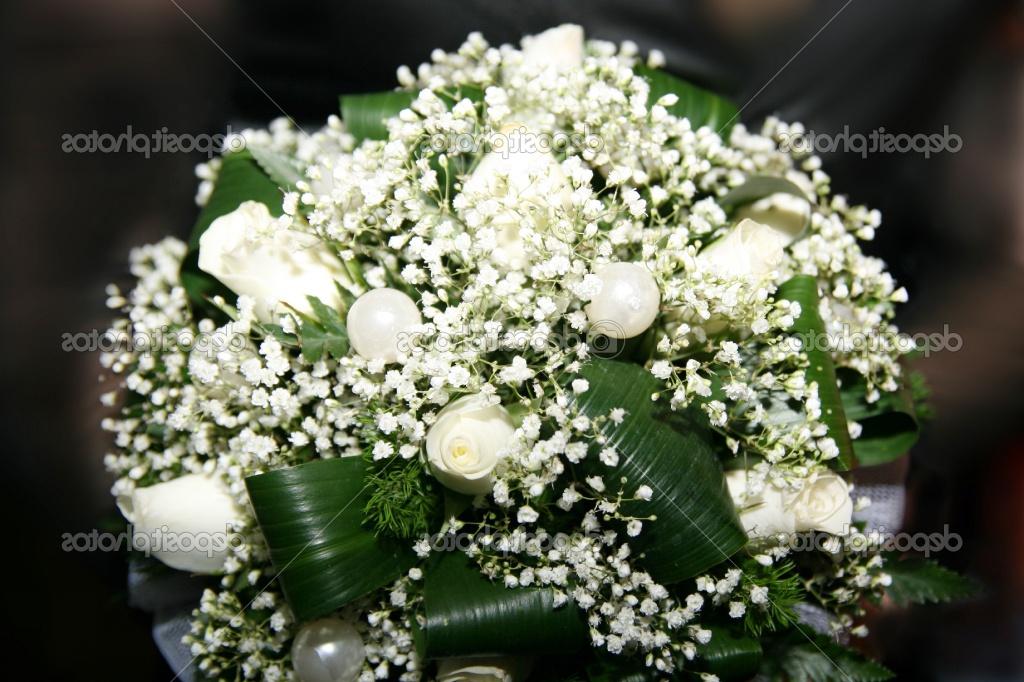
(674, 454)
(920, 581)
(466, 614)
(702, 107)
(730, 656)
(809, 328)
(312, 518)
(759, 187)
(889, 425)
(805, 656)
(366, 115)
(281, 169)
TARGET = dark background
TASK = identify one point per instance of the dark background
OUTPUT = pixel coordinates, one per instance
(953, 233)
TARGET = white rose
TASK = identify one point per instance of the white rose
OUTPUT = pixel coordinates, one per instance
(490, 669)
(183, 522)
(525, 178)
(560, 47)
(253, 255)
(824, 505)
(782, 212)
(749, 250)
(464, 444)
(763, 513)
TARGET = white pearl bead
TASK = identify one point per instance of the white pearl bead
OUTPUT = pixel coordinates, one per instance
(377, 321)
(328, 650)
(627, 303)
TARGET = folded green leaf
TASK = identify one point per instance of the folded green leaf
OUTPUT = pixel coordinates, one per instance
(325, 331)
(366, 115)
(809, 328)
(240, 179)
(282, 169)
(889, 425)
(920, 581)
(730, 656)
(702, 107)
(312, 518)
(674, 454)
(466, 614)
(805, 656)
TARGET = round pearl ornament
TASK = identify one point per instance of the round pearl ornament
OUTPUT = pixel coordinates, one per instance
(377, 321)
(627, 303)
(328, 650)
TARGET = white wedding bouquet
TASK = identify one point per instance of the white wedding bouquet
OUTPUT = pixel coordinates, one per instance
(540, 366)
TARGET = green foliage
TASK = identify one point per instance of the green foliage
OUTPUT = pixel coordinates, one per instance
(403, 499)
(730, 655)
(464, 614)
(889, 425)
(784, 592)
(366, 115)
(312, 518)
(920, 393)
(758, 187)
(325, 331)
(801, 655)
(674, 454)
(920, 581)
(702, 107)
(804, 290)
(282, 169)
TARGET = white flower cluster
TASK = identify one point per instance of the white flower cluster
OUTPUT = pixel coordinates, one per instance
(501, 245)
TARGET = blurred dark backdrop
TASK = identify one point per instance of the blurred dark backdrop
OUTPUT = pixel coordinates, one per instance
(953, 233)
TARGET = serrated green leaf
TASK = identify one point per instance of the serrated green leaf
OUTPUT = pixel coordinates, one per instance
(335, 336)
(673, 453)
(465, 614)
(889, 425)
(366, 115)
(921, 581)
(809, 328)
(282, 169)
(702, 107)
(312, 518)
(806, 656)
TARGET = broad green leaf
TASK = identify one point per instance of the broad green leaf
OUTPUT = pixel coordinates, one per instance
(366, 115)
(240, 179)
(674, 454)
(809, 328)
(730, 656)
(282, 169)
(889, 425)
(702, 107)
(465, 614)
(312, 518)
(920, 581)
(805, 656)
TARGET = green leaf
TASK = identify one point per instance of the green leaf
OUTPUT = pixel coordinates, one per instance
(805, 656)
(240, 179)
(326, 331)
(920, 581)
(282, 169)
(702, 107)
(889, 425)
(312, 518)
(730, 656)
(366, 115)
(466, 614)
(759, 187)
(673, 453)
(809, 328)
